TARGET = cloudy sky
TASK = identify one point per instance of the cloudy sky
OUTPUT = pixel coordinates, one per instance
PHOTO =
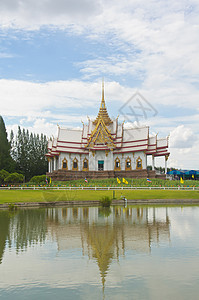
(53, 55)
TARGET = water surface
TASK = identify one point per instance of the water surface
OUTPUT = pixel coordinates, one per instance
(94, 253)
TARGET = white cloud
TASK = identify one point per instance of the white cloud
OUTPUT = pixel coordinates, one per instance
(40, 106)
(184, 145)
(23, 98)
(182, 137)
(31, 14)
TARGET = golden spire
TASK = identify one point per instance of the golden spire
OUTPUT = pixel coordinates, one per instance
(103, 114)
(103, 102)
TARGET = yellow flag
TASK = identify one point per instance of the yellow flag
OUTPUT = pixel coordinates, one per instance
(118, 181)
(50, 180)
(181, 180)
(124, 180)
(192, 176)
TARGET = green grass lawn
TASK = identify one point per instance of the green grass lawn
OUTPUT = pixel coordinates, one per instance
(12, 196)
(131, 182)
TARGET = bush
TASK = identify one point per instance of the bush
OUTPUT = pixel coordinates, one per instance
(40, 179)
(105, 201)
(3, 175)
(14, 178)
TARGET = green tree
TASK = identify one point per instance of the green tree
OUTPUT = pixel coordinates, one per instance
(28, 150)
(6, 161)
(3, 175)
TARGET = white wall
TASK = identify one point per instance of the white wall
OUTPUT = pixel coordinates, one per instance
(109, 160)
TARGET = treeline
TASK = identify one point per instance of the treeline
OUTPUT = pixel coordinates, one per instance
(24, 153)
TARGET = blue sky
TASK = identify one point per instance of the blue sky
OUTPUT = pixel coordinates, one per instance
(53, 58)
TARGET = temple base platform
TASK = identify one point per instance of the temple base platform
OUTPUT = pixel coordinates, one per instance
(66, 175)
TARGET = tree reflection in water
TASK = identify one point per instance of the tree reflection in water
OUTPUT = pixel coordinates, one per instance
(4, 231)
(22, 229)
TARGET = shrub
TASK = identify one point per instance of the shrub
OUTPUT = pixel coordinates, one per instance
(105, 201)
(40, 179)
(14, 178)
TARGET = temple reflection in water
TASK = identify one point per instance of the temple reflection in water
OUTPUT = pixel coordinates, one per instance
(106, 234)
(133, 228)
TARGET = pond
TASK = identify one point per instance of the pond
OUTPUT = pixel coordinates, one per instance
(137, 252)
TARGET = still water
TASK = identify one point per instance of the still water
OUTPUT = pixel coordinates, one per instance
(95, 253)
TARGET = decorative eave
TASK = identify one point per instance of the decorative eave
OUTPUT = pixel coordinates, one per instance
(105, 135)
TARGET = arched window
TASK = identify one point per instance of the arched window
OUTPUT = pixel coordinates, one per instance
(139, 163)
(64, 164)
(128, 164)
(75, 164)
(85, 164)
(117, 164)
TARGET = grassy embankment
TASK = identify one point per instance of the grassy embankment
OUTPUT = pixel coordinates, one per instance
(14, 196)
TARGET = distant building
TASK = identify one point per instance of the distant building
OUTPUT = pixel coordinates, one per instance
(104, 148)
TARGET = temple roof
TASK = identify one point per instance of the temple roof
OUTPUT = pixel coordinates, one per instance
(100, 136)
(103, 114)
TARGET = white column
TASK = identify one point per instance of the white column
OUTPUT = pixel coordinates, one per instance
(95, 161)
(105, 163)
(49, 165)
(80, 167)
(153, 168)
(146, 160)
(69, 162)
(58, 163)
(122, 163)
(112, 161)
(91, 161)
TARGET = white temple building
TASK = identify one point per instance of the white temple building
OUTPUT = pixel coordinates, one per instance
(104, 148)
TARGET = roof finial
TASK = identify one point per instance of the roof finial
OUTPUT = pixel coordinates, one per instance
(102, 88)
(103, 101)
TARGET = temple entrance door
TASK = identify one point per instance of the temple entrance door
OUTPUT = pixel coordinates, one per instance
(100, 165)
